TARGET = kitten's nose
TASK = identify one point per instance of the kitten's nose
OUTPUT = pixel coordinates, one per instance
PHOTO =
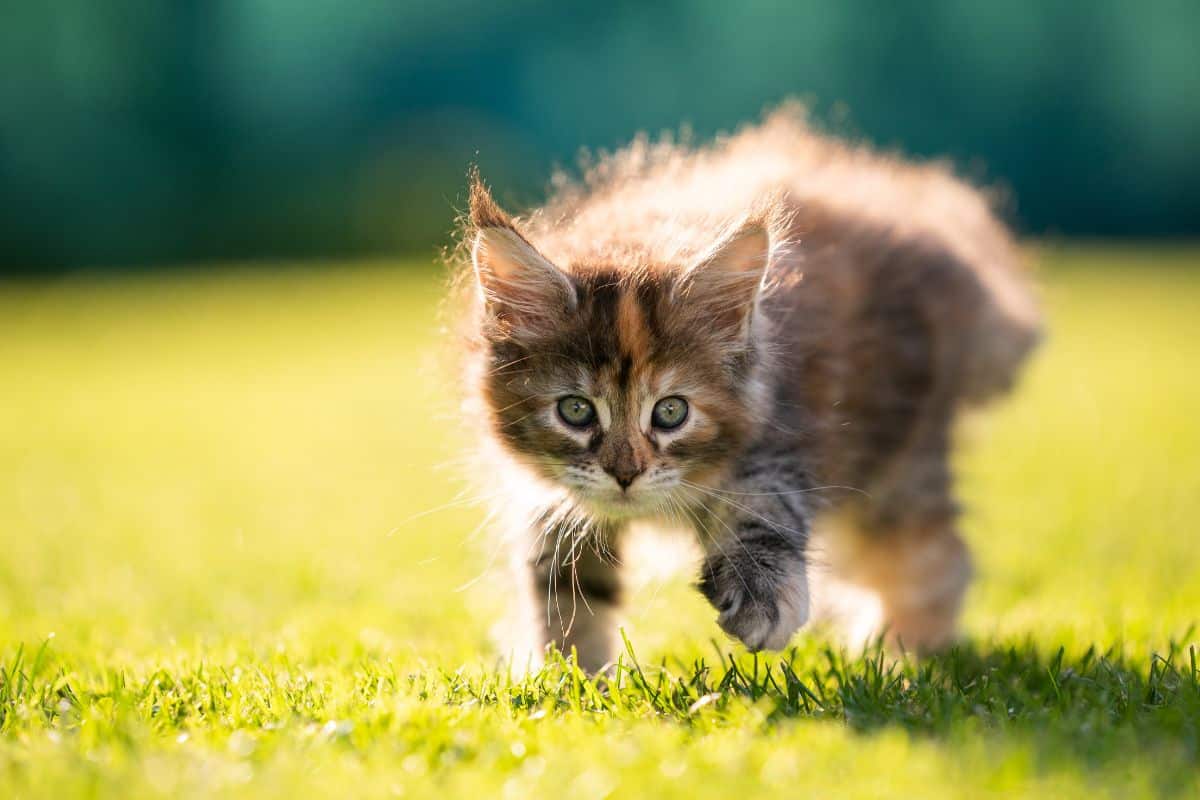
(624, 474)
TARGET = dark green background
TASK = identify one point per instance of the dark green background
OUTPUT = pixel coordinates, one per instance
(138, 132)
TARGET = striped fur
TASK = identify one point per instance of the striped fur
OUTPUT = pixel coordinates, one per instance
(823, 310)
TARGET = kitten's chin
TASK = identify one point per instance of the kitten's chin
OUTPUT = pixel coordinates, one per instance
(618, 505)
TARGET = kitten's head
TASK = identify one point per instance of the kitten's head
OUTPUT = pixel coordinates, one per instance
(620, 382)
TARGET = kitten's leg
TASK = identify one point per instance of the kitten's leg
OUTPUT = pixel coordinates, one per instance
(920, 572)
(754, 530)
(581, 597)
(909, 550)
(569, 592)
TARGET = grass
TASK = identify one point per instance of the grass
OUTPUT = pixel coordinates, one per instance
(207, 584)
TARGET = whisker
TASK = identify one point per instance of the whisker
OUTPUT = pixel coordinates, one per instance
(704, 529)
(491, 562)
(461, 501)
(770, 522)
(504, 367)
(521, 418)
(780, 493)
(552, 584)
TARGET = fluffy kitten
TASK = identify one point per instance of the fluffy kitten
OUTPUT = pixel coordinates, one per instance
(764, 339)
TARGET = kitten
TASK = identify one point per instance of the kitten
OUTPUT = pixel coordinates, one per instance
(766, 340)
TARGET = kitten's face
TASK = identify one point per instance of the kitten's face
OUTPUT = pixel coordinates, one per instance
(620, 385)
(624, 401)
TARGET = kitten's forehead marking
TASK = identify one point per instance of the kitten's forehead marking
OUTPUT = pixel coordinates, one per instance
(633, 334)
(629, 383)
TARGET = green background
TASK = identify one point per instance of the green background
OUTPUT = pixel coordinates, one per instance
(151, 132)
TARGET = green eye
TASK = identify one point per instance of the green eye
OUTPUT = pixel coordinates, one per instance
(576, 411)
(670, 412)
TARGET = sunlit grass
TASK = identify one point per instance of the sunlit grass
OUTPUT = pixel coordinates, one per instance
(212, 580)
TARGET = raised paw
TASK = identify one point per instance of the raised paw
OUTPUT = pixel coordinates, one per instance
(760, 604)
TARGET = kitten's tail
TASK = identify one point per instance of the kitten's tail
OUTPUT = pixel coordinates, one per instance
(1008, 327)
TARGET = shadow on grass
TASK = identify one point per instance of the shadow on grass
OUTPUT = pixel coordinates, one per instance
(1096, 709)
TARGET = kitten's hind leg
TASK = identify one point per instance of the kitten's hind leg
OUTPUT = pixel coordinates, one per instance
(902, 543)
(919, 572)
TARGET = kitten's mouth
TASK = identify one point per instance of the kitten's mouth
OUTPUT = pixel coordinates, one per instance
(618, 503)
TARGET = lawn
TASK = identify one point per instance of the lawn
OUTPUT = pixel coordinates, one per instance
(217, 575)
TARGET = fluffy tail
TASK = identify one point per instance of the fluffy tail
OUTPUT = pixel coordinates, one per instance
(1007, 329)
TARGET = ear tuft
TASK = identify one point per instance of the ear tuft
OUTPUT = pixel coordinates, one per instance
(485, 213)
(519, 285)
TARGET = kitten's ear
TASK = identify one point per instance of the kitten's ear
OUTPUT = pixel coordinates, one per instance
(518, 283)
(725, 281)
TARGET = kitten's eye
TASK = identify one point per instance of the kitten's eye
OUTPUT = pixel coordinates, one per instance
(670, 412)
(576, 411)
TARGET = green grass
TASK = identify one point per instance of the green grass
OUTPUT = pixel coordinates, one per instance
(208, 584)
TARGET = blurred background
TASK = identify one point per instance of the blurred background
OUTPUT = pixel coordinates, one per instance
(139, 133)
(230, 445)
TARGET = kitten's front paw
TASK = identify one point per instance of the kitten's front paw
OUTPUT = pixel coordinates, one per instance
(760, 605)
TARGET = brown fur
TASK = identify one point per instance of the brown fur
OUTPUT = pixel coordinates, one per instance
(890, 298)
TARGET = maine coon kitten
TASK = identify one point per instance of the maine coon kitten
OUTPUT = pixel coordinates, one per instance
(766, 339)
